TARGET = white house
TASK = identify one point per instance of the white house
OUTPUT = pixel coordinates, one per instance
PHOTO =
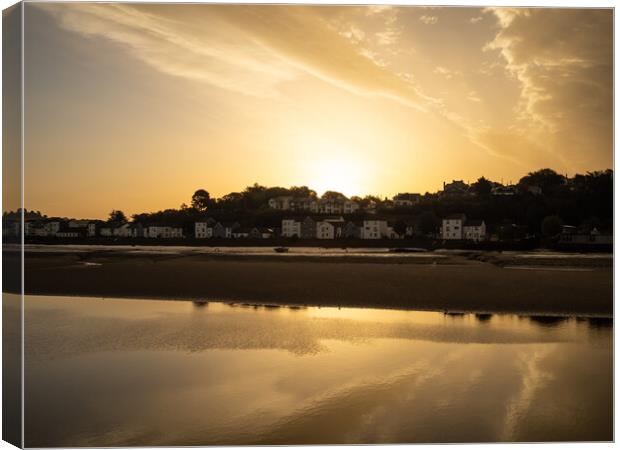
(330, 228)
(452, 226)
(457, 227)
(138, 230)
(123, 230)
(106, 231)
(475, 230)
(325, 230)
(165, 232)
(350, 206)
(374, 229)
(304, 204)
(283, 203)
(92, 229)
(291, 228)
(203, 230)
(51, 228)
(330, 207)
(75, 223)
(41, 228)
(406, 199)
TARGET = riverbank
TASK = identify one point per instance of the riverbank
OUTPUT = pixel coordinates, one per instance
(454, 282)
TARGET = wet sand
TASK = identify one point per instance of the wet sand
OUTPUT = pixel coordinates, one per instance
(453, 283)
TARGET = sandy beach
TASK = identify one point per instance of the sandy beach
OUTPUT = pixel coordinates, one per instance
(571, 285)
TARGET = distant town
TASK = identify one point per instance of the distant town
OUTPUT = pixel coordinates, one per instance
(543, 208)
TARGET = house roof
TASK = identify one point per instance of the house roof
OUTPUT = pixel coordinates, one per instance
(406, 196)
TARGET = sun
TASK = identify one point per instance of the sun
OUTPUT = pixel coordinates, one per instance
(345, 175)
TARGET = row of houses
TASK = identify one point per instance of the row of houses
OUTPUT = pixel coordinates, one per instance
(318, 227)
(337, 227)
(337, 206)
(312, 205)
(213, 229)
(455, 227)
(458, 227)
(458, 188)
(62, 228)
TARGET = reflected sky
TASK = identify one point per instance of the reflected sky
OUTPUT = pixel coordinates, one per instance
(145, 372)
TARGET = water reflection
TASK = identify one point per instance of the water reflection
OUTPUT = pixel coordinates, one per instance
(129, 372)
(483, 317)
(548, 321)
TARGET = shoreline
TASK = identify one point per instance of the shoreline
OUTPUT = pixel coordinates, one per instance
(245, 304)
(453, 283)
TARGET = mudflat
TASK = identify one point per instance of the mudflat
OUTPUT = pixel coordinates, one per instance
(574, 285)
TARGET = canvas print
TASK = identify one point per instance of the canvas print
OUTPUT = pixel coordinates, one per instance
(232, 224)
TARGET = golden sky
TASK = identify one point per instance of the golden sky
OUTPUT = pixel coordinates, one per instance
(133, 106)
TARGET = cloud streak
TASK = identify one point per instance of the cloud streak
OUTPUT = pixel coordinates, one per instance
(247, 49)
(563, 60)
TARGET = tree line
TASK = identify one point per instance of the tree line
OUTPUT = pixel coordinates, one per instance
(585, 200)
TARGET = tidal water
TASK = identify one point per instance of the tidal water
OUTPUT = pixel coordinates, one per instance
(112, 372)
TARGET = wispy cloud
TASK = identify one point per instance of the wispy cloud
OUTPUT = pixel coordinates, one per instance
(248, 49)
(448, 74)
(563, 60)
(473, 96)
(429, 20)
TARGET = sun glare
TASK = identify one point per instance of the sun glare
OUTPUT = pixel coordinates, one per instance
(335, 174)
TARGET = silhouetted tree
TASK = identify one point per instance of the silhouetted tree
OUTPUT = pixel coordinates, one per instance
(400, 227)
(117, 216)
(201, 200)
(302, 191)
(333, 196)
(547, 179)
(482, 187)
(428, 222)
